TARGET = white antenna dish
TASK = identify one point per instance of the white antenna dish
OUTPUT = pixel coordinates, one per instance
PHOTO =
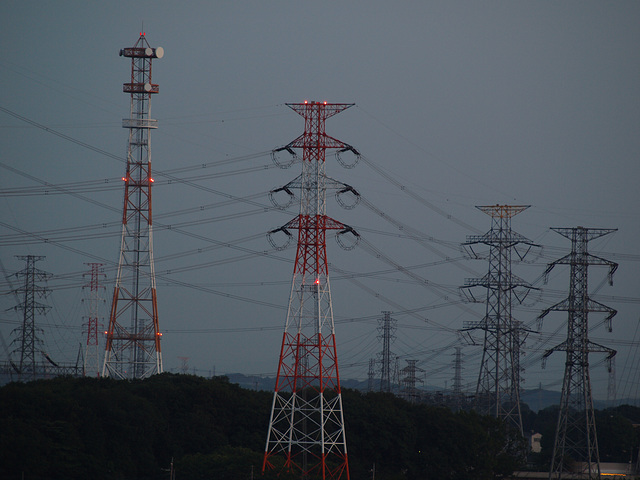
(159, 52)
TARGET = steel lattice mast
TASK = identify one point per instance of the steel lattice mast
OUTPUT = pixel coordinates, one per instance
(576, 438)
(91, 355)
(456, 388)
(306, 426)
(27, 339)
(498, 388)
(133, 336)
(387, 329)
(408, 389)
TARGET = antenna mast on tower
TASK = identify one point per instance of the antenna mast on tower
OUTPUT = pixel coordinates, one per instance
(306, 426)
(133, 336)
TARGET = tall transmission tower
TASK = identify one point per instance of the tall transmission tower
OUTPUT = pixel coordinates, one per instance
(498, 387)
(28, 343)
(576, 440)
(92, 354)
(387, 330)
(306, 425)
(133, 336)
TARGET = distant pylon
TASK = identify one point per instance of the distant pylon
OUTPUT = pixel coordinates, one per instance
(456, 388)
(371, 375)
(576, 440)
(133, 336)
(498, 388)
(408, 381)
(306, 426)
(28, 343)
(386, 329)
(91, 365)
(184, 367)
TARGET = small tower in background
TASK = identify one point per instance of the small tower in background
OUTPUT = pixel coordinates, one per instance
(92, 365)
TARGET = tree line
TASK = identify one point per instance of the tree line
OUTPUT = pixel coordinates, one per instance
(80, 428)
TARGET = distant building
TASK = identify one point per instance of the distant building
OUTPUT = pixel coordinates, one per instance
(534, 442)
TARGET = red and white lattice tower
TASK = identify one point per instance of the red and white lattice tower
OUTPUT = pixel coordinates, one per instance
(306, 429)
(91, 365)
(133, 336)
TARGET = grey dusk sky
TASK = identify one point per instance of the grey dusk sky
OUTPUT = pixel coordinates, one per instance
(458, 104)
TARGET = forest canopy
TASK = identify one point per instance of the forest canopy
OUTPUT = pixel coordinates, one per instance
(79, 428)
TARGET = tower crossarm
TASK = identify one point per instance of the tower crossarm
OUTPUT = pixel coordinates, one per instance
(508, 240)
(587, 260)
(502, 211)
(315, 221)
(597, 307)
(587, 234)
(591, 306)
(329, 184)
(597, 348)
(327, 110)
(327, 142)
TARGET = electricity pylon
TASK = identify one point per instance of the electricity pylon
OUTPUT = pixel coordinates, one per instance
(133, 337)
(408, 389)
(387, 329)
(306, 426)
(91, 364)
(498, 387)
(456, 388)
(576, 443)
(28, 342)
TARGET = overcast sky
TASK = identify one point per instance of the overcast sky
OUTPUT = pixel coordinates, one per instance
(458, 104)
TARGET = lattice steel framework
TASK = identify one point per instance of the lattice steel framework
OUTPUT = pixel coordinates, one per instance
(387, 330)
(371, 375)
(28, 342)
(306, 426)
(576, 443)
(498, 387)
(133, 335)
(91, 364)
(456, 388)
(408, 381)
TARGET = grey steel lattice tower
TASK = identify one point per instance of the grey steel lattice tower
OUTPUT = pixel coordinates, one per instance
(27, 341)
(576, 440)
(387, 329)
(457, 379)
(408, 389)
(498, 389)
(91, 365)
(306, 426)
(133, 336)
(371, 374)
